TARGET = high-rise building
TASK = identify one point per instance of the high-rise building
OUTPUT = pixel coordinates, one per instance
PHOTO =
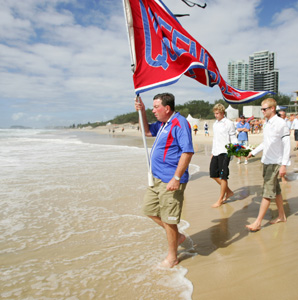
(262, 74)
(238, 74)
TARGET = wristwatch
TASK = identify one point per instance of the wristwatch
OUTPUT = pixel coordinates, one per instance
(177, 178)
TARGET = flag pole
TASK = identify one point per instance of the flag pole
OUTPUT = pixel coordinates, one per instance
(143, 134)
(130, 34)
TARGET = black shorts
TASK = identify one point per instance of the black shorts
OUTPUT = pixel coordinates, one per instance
(219, 166)
(296, 135)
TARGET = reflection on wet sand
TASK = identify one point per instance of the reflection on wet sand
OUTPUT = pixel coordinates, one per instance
(240, 264)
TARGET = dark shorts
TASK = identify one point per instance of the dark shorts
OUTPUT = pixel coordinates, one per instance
(219, 166)
(296, 135)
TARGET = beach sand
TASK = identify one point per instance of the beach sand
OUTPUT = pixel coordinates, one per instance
(233, 263)
(227, 261)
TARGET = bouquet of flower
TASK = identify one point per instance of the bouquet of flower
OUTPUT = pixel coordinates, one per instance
(237, 150)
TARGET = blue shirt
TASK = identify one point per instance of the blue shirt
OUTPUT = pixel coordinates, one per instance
(172, 139)
(242, 136)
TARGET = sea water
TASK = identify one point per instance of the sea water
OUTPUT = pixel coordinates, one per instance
(71, 225)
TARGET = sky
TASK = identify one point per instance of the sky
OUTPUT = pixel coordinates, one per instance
(65, 62)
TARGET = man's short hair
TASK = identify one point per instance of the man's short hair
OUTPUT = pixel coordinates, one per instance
(166, 99)
(219, 107)
(282, 113)
(270, 101)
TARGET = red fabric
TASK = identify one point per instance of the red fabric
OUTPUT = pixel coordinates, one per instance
(165, 51)
(170, 139)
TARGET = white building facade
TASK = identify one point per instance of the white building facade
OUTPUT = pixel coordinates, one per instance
(238, 74)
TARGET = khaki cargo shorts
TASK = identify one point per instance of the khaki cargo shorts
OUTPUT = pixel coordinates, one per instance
(167, 205)
(271, 186)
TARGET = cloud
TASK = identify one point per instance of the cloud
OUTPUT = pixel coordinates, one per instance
(39, 117)
(18, 116)
(231, 30)
(71, 59)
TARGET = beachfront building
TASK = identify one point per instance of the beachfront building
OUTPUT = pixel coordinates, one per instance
(262, 72)
(238, 74)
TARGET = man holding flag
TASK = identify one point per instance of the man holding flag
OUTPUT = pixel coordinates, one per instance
(170, 156)
(161, 52)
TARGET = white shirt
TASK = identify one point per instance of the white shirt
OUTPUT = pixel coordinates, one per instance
(289, 124)
(277, 144)
(295, 124)
(224, 133)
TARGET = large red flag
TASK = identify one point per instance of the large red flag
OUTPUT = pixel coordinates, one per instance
(162, 51)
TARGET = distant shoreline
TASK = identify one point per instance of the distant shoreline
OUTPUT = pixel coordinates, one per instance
(132, 130)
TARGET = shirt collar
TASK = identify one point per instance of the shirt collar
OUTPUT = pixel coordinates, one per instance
(169, 120)
(273, 118)
(222, 120)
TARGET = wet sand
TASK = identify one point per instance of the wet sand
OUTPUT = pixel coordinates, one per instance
(231, 262)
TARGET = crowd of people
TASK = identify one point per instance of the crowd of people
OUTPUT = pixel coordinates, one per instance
(252, 125)
(172, 151)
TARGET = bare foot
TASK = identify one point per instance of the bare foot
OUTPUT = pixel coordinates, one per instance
(218, 204)
(228, 195)
(278, 220)
(181, 238)
(169, 264)
(253, 227)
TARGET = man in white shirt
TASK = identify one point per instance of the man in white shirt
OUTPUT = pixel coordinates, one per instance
(276, 156)
(283, 115)
(295, 128)
(224, 133)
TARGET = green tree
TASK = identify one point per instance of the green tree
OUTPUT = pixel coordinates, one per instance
(196, 108)
(281, 99)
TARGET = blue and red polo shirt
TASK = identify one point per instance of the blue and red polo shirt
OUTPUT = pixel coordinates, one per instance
(172, 139)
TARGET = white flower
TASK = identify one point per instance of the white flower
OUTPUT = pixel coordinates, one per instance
(251, 147)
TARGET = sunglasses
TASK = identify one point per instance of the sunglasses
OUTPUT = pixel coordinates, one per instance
(264, 109)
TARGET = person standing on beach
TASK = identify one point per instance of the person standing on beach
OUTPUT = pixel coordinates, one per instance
(243, 129)
(290, 121)
(283, 115)
(206, 127)
(276, 156)
(170, 157)
(294, 128)
(195, 128)
(224, 133)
